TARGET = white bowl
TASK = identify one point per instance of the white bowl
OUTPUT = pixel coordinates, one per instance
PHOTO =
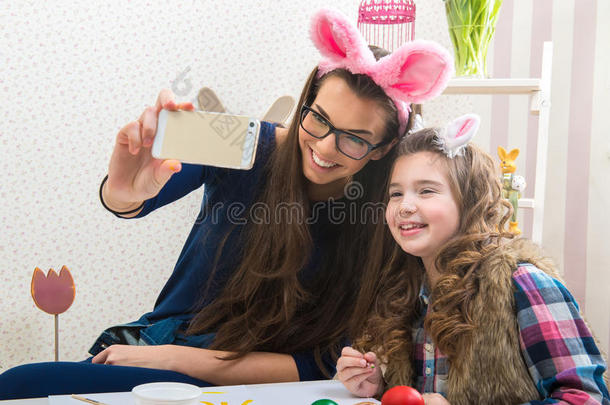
(166, 393)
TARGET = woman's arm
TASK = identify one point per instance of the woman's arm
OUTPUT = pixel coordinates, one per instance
(558, 347)
(253, 368)
(204, 364)
(133, 174)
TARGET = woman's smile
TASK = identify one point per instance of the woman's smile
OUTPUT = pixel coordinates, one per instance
(322, 163)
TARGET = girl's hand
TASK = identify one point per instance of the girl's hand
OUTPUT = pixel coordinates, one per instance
(360, 373)
(159, 357)
(133, 174)
(435, 399)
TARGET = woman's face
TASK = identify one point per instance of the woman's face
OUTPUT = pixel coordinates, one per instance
(323, 165)
(422, 212)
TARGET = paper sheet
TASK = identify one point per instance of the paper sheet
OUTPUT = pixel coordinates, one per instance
(261, 394)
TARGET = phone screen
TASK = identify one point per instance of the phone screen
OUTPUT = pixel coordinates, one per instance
(201, 137)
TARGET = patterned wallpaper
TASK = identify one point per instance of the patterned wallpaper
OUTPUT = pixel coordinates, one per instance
(71, 75)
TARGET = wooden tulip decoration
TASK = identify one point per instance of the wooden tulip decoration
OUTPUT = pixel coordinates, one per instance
(53, 294)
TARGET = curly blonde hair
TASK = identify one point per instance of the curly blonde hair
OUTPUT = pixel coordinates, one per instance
(388, 304)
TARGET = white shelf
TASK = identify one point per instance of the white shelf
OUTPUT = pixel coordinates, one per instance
(539, 92)
(526, 203)
(493, 86)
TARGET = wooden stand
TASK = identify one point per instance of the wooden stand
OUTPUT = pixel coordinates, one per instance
(56, 337)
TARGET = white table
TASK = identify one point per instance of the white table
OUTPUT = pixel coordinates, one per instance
(262, 394)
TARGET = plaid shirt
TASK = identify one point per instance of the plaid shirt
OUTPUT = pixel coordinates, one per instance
(558, 349)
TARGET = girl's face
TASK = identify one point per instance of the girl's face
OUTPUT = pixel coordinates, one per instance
(323, 165)
(422, 213)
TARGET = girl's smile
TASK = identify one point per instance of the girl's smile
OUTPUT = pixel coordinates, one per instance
(410, 228)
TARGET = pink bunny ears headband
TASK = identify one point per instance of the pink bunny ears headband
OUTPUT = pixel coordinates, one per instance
(415, 72)
(452, 139)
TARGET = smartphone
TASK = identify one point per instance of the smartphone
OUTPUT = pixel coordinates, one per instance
(207, 138)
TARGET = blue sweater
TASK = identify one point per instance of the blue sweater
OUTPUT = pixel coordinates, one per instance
(228, 196)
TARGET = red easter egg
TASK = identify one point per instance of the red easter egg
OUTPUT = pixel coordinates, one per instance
(401, 395)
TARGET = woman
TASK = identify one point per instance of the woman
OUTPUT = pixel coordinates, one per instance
(251, 300)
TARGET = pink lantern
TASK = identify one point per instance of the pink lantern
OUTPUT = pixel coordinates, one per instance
(387, 23)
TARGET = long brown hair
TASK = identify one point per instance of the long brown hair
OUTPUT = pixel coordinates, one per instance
(264, 306)
(389, 302)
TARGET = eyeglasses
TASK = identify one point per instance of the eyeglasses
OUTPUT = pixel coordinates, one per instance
(348, 144)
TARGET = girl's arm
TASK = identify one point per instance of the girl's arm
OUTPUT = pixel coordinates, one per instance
(203, 364)
(558, 347)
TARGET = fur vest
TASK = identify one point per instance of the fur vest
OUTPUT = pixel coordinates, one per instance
(491, 369)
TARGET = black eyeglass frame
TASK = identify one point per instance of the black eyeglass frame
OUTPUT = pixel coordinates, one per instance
(332, 129)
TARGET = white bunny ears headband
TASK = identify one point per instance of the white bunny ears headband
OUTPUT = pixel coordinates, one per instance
(417, 71)
(452, 139)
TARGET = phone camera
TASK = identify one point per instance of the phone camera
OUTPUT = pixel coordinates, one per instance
(251, 124)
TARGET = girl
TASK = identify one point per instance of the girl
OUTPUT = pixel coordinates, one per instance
(461, 311)
(259, 294)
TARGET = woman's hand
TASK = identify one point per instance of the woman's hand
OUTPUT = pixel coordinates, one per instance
(159, 357)
(205, 364)
(133, 174)
(435, 399)
(360, 373)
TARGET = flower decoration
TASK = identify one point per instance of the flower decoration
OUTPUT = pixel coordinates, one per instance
(53, 293)
(472, 24)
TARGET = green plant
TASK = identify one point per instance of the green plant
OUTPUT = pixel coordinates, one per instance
(472, 24)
